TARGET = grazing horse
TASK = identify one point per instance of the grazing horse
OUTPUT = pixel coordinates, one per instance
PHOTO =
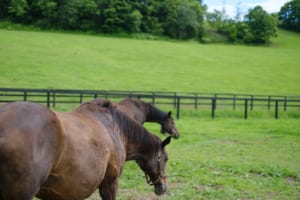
(146, 112)
(64, 156)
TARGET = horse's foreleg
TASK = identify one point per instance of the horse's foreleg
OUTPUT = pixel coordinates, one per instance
(108, 190)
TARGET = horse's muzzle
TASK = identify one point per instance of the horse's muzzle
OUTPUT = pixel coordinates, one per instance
(160, 189)
(176, 135)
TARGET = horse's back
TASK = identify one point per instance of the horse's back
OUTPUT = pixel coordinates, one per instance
(30, 135)
(133, 108)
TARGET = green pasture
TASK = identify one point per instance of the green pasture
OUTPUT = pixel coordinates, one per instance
(76, 61)
(225, 158)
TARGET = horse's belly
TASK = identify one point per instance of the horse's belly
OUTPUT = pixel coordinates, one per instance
(75, 181)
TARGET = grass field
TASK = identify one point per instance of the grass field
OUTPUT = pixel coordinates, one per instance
(224, 158)
(61, 60)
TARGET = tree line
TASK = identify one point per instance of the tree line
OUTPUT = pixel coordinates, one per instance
(289, 15)
(178, 19)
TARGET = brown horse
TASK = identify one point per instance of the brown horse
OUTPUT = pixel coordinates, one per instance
(146, 112)
(67, 156)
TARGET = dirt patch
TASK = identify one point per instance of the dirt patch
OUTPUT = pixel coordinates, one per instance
(131, 194)
(201, 188)
(291, 180)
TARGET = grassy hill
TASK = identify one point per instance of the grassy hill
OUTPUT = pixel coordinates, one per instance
(74, 61)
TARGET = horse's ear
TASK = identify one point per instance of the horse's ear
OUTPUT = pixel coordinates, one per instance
(166, 142)
(169, 114)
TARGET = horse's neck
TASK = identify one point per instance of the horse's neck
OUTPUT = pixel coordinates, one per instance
(141, 147)
(142, 111)
(155, 115)
(137, 140)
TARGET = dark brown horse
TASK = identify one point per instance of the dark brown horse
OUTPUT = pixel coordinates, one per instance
(67, 156)
(146, 112)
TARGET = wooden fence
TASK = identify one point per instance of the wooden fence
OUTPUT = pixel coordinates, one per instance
(174, 100)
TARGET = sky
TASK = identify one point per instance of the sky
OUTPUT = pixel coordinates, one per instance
(244, 5)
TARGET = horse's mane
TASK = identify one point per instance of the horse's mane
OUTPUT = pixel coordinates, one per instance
(132, 130)
(135, 132)
(154, 113)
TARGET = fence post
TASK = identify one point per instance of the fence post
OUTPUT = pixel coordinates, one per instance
(175, 99)
(246, 109)
(48, 98)
(25, 95)
(213, 107)
(178, 108)
(276, 109)
(269, 102)
(95, 95)
(285, 104)
(153, 98)
(196, 101)
(234, 102)
(251, 105)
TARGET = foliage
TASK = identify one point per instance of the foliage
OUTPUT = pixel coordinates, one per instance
(289, 15)
(184, 19)
(111, 16)
(262, 26)
(115, 14)
(46, 12)
(18, 8)
(189, 17)
(3, 8)
(258, 26)
(77, 14)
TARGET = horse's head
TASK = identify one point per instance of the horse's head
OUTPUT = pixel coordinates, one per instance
(154, 168)
(168, 125)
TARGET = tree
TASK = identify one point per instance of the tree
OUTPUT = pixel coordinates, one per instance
(134, 21)
(44, 12)
(167, 14)
(261, 25)
(3, 8)
(189, 19)
(115, 15)
(17, 9)
(289, 15)
(215, 19)
(226, 29)
(77, 14)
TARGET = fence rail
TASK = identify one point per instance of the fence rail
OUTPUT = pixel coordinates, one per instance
(176, 100)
